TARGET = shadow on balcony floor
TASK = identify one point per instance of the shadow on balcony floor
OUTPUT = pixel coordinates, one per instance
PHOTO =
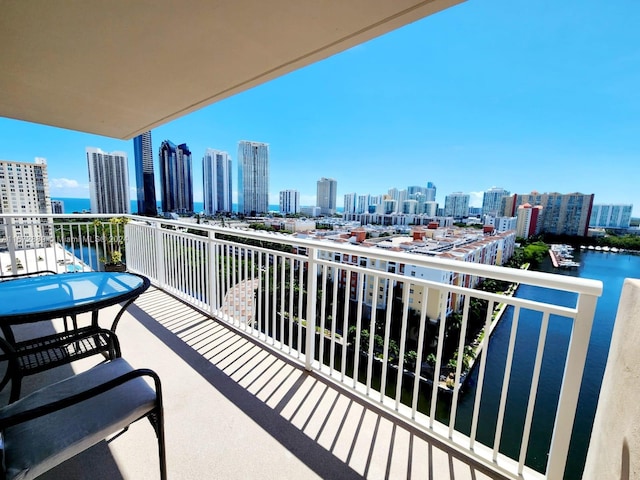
(236, 410)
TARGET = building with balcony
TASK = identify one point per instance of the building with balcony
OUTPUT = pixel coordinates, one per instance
(456, 205)
(253, 177)
(217, 187)
(611, 216)
(289, 202)
(176, 178)
(145, 177)
(108, 181)
(24, 188)
(562, 214)
(350, 202)
(57, 206)
(492, 201)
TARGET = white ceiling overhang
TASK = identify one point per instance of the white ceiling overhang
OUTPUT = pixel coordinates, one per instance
(121, 67)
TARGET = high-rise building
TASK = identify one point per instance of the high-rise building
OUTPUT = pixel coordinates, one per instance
(145, 179)
(492, 201)
(108, 181)
(528, 221)
(414, 190)
(216, 175)
(350, 202)
(327, 194)
(176, 178)
(24, 188)
(289, 202)
(456, 205)
(611, 216)
(562, 214)
(253, 177)
(363, 204)
(430, 192)
(57, 206)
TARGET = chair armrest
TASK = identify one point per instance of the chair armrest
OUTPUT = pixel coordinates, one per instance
(32, 413)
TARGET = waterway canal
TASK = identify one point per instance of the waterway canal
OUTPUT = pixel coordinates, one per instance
(611, 269)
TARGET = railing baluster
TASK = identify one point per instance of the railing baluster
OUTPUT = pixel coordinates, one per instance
(444, 297)
(387, 337)
(323, 307)
(372, 331)
(334, 321)
(345, 323)
(533, 391)
(356, 355)
(418, 367)
(403, 340)
(505, 382)
(460, 362)
(483, 363)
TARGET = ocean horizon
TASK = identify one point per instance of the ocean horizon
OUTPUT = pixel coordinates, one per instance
(83, 205)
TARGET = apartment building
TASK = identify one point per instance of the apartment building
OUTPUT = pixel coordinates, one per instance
(24, 188)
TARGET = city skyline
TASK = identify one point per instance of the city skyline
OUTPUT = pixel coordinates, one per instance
(531, 97)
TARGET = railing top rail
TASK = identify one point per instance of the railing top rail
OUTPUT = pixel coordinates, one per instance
(548, 280)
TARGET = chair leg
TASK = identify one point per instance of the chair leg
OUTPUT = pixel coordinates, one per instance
(156, 418)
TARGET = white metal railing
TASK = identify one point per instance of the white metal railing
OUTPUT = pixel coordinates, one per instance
(386, 336)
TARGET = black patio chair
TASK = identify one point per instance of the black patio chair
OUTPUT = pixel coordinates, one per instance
(61, 420)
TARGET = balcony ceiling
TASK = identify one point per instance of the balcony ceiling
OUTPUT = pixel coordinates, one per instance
(120, 67)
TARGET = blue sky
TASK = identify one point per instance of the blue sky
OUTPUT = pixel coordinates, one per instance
(517, 94)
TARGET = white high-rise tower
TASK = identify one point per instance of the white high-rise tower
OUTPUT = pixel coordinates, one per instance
(108, 181)
(253, 177)
(216, 174)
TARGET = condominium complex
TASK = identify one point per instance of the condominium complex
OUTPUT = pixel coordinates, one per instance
(492, 201)
(350, 202)
(449, 243)
(24, 188)
(108, 181)
(456, 205)
(57, 206)
(430, 192)
(145, 178)
(611, 216)
(289, 202)
(326, 195)
(253, 177)
(562, 214)
(176, 178)
(529, 220)
(216, 175)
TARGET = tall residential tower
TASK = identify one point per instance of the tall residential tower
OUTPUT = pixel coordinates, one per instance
(108, 181)
(145, 179)
(253, 177)
(327, 193)
(24, 188)
(176, 178)
(289, 202)
(216, 176)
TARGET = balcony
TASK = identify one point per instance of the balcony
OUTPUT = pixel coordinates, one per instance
(249, 392)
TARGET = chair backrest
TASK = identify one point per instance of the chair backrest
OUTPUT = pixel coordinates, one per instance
(55, 423)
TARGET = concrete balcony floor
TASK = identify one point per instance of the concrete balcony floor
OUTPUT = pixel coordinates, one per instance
(234, 410)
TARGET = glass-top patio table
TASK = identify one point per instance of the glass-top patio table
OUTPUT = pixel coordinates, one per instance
(32, 299)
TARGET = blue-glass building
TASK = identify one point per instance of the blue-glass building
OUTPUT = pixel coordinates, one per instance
(145, 179)
(176, 178)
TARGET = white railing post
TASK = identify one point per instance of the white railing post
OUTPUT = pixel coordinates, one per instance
(572, 379)
(160, 253)
(312, 293)
(11, 244)
(212, 273)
